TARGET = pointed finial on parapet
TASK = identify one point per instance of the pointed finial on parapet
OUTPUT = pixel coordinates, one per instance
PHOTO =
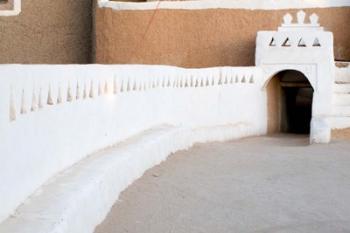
(301, 17)
(301, 23)
(287, 19)
(314, 19)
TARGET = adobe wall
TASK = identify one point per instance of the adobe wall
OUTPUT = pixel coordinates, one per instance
(47, 31)
(199, 38)
(341, 134)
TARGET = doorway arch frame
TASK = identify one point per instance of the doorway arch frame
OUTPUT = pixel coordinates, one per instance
(320, 130)
(309, 71)
(277, 125)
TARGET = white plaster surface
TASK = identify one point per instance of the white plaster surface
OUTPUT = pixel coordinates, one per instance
(79, 199)
(51, 117)
(225, 4)
(93, 107)
(306, 48)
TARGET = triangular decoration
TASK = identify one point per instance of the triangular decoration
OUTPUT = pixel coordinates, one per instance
(23, 104)
(169, 82)
(59, 95)
(301, 43)
(187, 82)
(135, 86)
(91, 94)
(195, 83)
(128, 87)
(40, 103)
(12, 107)
(232, 79)
(273, 42)
(286, 43)
(202, 82)
(85, 91)
(122, 86)
(226, 79)
(220, 80)
(207, 83)
(99, 89)
(49, 97)
(115, 87)
(34, 106)
(69, 94)
(163, 82)
(182, 82)
(77, 94)
(316, 43)
(106, 87)
(251, 80)
(190, 84)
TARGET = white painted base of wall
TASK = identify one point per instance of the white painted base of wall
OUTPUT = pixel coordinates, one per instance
(78, 199)
(320, 130)
(87, 108)
(339, 122)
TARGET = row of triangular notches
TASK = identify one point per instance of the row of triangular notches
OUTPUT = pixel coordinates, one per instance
(38, 100)
(301, 43)
(236, 79)
(182, 82)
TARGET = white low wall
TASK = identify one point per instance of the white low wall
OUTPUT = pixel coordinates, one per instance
(51, 117)
(79, 198)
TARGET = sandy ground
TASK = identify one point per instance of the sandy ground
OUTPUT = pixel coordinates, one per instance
(263, 184)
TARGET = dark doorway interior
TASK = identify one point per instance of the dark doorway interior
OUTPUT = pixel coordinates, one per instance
(290, 98)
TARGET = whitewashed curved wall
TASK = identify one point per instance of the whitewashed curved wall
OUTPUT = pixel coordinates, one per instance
(53, 116)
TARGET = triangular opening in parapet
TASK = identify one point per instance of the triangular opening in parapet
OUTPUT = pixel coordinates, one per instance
(316, 43)
(301, 43)
(286, 43)
(273, 42)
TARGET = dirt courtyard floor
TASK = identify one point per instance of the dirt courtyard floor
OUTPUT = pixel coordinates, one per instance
(263, 184)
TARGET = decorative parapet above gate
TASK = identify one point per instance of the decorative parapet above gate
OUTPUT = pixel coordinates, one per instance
(296, 41)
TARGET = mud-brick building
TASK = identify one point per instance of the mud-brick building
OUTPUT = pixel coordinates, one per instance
(182, 33)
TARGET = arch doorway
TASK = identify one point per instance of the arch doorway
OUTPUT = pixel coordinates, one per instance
(290, 97)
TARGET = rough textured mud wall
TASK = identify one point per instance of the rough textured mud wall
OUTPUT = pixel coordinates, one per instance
(341, 134)
(47, 31)
(198, 38)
